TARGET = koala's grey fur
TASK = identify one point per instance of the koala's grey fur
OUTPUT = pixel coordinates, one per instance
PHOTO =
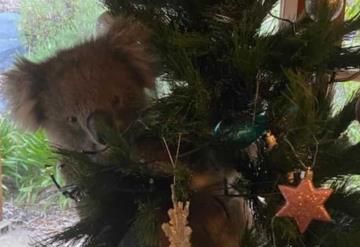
(105, 79)
(105, 75)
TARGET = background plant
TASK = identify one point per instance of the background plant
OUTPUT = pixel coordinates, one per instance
(45, 27)
(28, 161)
(345, 90)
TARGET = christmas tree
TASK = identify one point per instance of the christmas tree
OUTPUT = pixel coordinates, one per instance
(258, 103)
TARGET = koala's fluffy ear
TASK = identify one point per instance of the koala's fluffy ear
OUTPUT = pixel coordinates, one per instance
(22, 89)
(129, 39)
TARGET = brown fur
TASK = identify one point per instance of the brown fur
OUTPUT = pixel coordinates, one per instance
(107, 74)
(105, 78)
(217, 220)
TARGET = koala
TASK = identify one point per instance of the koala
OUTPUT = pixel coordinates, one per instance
(104, 22)
(103, 78)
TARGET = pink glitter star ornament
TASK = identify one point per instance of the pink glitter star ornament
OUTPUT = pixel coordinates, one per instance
(304, 203)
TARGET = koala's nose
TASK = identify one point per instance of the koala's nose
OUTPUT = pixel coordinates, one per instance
(100, 124)
(95, 149)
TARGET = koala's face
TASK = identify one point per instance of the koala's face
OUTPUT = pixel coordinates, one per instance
(71, 94)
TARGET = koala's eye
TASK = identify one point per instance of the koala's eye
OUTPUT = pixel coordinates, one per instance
(72, 119)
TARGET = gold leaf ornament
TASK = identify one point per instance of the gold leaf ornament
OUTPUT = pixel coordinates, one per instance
(177, 230)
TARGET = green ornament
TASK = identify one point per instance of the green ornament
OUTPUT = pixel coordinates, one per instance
(241, 134)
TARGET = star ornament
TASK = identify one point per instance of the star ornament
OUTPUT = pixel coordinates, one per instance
(304, 203)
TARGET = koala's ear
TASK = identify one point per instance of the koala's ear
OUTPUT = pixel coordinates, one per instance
(104, 22)
(22, 88)
(129, 39)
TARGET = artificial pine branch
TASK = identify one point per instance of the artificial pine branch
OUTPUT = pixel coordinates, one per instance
(220, 68)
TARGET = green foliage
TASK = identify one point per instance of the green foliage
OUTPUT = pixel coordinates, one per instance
(28, 160)
(352, 9)
(223, 67)
(147, 223)
(47, 26)
(111, 194)
(346, 89)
